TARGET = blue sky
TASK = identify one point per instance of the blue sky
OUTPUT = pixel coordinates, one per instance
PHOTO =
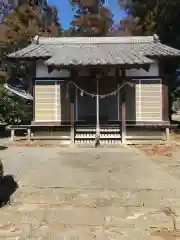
(66, 14)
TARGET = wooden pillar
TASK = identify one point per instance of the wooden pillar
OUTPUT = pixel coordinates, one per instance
(165, 99)
(76, 104)
(166, 113)
(33, 93)
(167, 135)
(123, 114)
(123, 124)
(118, 101)
(12, 134)
(72, 124)
(97, 137)
(165, 91)
(29, 134)
(72, 107)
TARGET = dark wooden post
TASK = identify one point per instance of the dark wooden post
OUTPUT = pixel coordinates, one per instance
(123, 125)
(166, 114)
(165, 99)
(123, 114)
(34, 99)
(72, 106)
(165, 104)
(72, 123)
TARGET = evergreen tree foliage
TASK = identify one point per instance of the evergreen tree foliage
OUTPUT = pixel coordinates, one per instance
(91, 18)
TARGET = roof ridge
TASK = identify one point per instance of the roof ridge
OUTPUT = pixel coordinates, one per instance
(94, 40)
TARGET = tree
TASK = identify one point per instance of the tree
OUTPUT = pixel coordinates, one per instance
(131, 26)
(13, 110)
(160, 17)
(20, 27)
(54, 27)
(91, 18)
(25, 22)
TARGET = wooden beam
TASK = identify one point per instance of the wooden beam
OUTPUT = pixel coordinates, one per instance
(123, 73)
(100, 66)
(86, 78)
(50, 69)
(146, 68)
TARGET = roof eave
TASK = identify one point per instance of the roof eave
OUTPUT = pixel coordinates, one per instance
(47, 57)
(27, 58)
(127, 66)
(163, 56)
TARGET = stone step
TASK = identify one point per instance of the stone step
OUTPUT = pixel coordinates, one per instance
(102, 136)
(84, 141)
(94, 130)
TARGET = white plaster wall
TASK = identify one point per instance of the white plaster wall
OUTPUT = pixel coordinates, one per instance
(42, 71)
(153, 71)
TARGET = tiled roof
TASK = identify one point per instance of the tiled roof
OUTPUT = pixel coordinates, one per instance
(105, 54)
(96, 51)
(18, 92)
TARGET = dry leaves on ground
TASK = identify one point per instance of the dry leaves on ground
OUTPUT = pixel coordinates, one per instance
(166, 150)
(36, 144)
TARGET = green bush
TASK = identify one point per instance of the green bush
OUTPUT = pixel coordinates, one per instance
(14, 110)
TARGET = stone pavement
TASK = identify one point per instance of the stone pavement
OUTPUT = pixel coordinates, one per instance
(87, 194)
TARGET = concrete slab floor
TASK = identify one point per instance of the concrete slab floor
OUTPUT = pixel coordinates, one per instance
(88, 194)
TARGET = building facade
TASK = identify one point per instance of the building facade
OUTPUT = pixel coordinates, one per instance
(112, 88)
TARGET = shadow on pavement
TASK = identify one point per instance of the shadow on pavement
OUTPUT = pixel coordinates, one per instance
(3, 147)
(7, 187)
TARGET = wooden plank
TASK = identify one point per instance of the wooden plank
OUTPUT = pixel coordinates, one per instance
(149, 105)
(45, 95)
(144, 137)
(47, 118)
(50, 137)
(145, 142)
(50, 123)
